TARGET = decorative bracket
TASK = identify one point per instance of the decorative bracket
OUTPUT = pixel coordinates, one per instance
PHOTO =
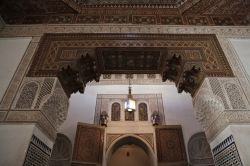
(172, 69)
(74, 79)
(191, 80)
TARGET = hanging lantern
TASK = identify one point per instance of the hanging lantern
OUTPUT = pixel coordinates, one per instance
(130, 102)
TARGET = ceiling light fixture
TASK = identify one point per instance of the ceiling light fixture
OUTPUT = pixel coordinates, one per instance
(130, 102)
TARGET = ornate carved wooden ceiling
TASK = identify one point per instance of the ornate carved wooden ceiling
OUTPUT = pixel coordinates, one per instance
(165, 12)
(120, 60)
(184, 59)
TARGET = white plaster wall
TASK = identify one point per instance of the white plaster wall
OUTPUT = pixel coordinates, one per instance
(14, 142)
(178, 107)
(242, 48)
(11, 53)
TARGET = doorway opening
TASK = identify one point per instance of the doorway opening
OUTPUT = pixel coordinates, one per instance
(130, 150)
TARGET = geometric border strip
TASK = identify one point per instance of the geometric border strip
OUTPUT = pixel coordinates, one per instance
(226, 153)
(123, 19)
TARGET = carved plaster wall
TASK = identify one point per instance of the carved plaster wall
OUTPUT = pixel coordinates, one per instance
(236, 65)
(153, 101)
(220, 101)
(41, 100)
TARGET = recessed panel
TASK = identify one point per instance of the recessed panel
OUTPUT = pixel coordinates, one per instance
(130, 60)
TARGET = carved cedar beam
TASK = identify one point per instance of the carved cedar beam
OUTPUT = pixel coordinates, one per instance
(74, 79)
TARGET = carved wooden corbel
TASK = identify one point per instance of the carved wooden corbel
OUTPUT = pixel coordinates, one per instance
(191, 79)
(172, 68)
(74, 79)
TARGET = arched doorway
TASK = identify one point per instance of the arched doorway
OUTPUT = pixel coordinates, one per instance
(130, 150)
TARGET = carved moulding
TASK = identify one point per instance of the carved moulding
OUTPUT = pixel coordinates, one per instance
(39, 30)
(217, 105)
(42, 101)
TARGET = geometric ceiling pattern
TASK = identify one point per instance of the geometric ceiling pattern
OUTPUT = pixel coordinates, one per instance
(164, 12)
(129, 53)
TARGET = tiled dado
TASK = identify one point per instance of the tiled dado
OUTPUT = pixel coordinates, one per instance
(38, 153)
(226, 153)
